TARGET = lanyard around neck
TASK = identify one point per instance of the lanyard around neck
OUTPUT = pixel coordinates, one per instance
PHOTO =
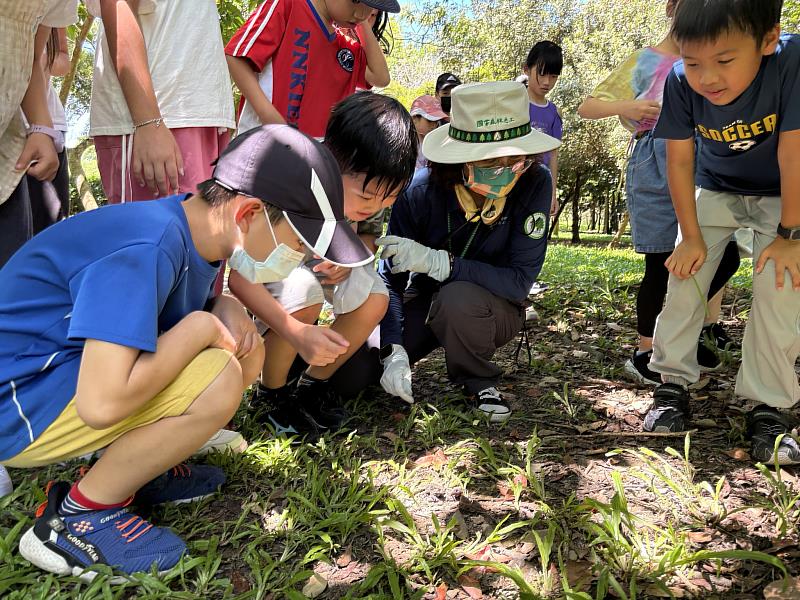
(450, 233)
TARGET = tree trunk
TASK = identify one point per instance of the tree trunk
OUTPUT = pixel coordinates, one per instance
(576, 209)
(80, 38)
(85, 195)
(607, 213)
(556, 221)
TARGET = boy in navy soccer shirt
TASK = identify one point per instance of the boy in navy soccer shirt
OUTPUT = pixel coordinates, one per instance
(737, 87)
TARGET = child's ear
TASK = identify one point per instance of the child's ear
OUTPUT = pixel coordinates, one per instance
(770, 43)
(248, 210)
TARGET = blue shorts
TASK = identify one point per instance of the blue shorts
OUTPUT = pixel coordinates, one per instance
(654, 226)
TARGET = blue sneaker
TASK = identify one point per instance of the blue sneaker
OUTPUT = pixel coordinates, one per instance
(68, 545)
(180, 485)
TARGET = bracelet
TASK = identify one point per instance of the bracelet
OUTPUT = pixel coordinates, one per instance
(158, 122)
(54, 134)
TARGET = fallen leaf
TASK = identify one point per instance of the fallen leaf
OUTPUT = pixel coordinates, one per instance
(437, 459)
(505, 490)
(700, 537)
(520, 480)
(783, 589)
(239, 582)
(471, 587)
(315, 585)
(739, 454)
(391, 436)
(705, 423)
(345, 559)
(398, 417)
(578, 572)
(441, 592)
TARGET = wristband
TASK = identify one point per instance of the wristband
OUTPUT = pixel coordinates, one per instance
(54, 134)
(157, 121)
(788, 233)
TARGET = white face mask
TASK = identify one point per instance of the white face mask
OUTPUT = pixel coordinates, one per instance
(276, 267)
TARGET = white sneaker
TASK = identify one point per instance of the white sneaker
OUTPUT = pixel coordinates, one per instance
(492, 404)
(222, 441)
(6, 487)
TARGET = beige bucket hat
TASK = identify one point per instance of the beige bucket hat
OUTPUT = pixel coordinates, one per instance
(488, 120)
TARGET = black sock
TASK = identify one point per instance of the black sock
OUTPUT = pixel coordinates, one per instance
(306, 379)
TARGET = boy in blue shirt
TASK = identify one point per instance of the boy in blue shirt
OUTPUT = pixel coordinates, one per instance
(109, 339)
(737, 87)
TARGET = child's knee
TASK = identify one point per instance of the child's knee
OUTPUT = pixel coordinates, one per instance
(221, 399)
(251, 365)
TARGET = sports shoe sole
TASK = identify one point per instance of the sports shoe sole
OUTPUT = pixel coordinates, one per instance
(235, 444)
(633, 374)
(39, 555)
(495, 417)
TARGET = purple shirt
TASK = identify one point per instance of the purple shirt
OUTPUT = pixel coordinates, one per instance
(547, 120)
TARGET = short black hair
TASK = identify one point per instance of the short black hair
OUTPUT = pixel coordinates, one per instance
(547, 58)
(707, 20)
(216, 195)
(373, 134)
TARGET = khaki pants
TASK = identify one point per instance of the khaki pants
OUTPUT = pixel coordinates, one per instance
(772, 336)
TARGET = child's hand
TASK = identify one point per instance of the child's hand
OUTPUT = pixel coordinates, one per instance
(333, 274)
(39, 157)
(319, 346)
(157, 161)
(641, 110)
(687, 258)
(786, 254)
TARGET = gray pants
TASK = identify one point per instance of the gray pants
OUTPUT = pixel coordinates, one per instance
(467, 320)
(772, 335)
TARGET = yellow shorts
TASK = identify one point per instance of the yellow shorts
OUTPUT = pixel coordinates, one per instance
(69, 437)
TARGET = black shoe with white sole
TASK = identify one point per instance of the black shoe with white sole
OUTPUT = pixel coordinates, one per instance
(764, 426)
(490, 402)
(637, 369)
(670, 411)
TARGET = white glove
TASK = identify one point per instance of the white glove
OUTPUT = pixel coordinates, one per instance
(408, 255)
(396, 379)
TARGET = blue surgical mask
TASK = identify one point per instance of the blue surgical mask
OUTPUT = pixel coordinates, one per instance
(276, 267)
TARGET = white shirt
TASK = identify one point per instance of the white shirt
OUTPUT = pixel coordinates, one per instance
(60, 13)
(187, 66)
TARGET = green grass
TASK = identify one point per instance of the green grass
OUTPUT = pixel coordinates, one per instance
(388, 496)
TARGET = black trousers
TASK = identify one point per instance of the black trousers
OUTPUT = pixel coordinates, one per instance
(467, 320)
(16, 221)
(50, 199)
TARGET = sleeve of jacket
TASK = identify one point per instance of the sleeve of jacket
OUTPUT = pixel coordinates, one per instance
(402, 223)
(527, 244)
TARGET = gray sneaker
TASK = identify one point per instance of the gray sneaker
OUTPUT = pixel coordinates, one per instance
(764, 426)
(670, 411)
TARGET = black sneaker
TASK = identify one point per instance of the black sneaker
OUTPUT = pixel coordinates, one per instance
(490, 402)
(713, 339)
(637, 369)
(670, 411)
(720, 338)
(321, 402)
(764, 425)
(279, 409)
